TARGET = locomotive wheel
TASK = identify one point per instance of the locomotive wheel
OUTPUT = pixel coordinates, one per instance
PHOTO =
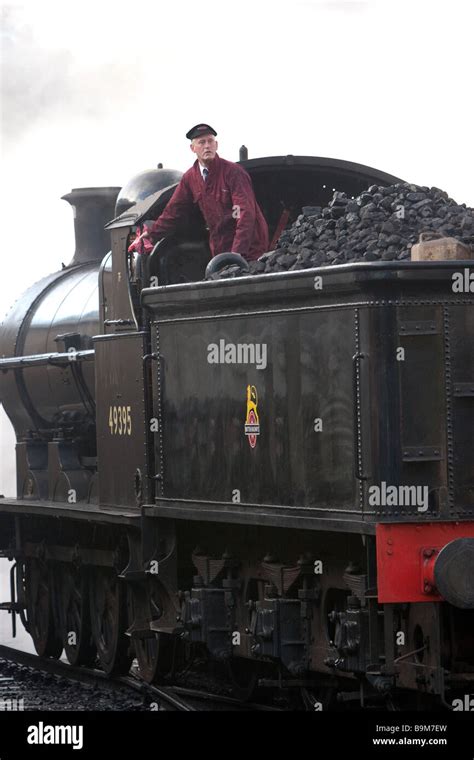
(39, 608)
(75, 617)
(108, 613)
(154, 651)
(155, 656)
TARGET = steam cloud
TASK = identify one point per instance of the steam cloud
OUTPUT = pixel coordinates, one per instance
(38, 82)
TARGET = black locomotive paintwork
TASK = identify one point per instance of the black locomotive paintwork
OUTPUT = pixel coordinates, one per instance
(183, 489)
(120, 363)
(60, 303)
(91, 206)
(206, 452)
(332, 353)
(143, 185)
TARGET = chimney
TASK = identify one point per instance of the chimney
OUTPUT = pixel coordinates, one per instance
(92, 207)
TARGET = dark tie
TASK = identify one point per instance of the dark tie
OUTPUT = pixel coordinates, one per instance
(205, 172)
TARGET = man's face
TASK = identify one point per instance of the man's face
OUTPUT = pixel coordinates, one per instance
(205, 147)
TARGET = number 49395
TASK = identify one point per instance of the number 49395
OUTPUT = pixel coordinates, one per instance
(120, 420)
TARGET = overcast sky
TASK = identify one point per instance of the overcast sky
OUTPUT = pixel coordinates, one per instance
(94, 92)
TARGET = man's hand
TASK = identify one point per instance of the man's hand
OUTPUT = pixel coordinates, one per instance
(143, 243)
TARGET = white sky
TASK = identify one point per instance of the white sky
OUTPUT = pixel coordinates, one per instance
(94, 92)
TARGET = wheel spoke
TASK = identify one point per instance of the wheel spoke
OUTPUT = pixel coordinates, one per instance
(154, 652)
(75, 617)
(108, 621)
(39, 593)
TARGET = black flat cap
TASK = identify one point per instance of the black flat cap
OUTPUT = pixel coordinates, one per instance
(200, 129)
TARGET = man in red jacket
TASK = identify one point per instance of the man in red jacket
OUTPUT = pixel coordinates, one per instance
(224, 193)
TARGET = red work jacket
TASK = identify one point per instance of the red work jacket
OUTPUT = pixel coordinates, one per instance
(227, 202)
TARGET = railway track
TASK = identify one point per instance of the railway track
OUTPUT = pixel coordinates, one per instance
(94, 677)
(176, 698)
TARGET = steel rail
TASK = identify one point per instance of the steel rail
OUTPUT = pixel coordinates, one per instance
(92, 676)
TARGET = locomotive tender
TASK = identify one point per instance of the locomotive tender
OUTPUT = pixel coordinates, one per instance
(276, 471)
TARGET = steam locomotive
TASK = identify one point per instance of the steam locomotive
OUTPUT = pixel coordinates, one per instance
(275, 472)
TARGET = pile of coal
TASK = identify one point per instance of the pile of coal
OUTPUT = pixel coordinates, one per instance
(381, 224)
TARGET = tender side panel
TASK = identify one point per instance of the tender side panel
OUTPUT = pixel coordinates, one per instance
(297, 392)
(460, 329)
(422, 412)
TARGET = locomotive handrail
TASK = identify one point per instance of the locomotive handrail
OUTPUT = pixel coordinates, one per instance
(38, 360)
(118, 321)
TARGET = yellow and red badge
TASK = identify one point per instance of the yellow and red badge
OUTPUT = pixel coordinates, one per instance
(252, 423)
